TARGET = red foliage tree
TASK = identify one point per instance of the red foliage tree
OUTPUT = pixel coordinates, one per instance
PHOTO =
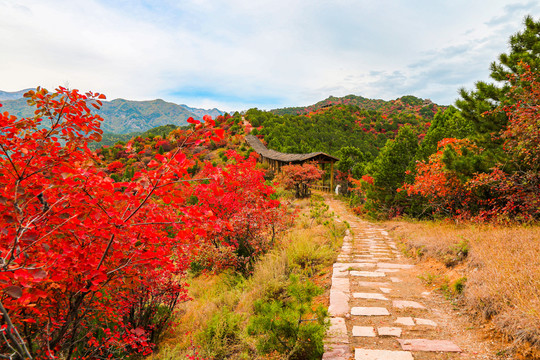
(442, 188)
(522, 134)
(89, 267)
(299, 178)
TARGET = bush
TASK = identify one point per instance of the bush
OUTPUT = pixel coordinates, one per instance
(290, 326)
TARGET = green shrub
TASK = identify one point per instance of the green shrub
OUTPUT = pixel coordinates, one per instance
(290, 326)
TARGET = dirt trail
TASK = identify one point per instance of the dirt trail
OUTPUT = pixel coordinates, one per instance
(380, 310)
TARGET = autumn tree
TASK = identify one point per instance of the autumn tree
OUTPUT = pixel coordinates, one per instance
(91, 267)
(299, 178)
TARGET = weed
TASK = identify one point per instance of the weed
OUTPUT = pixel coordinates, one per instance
(222, 335)
(309, 256)
(459, 285)
(428, 278)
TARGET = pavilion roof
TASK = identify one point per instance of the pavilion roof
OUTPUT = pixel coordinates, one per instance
(262, 150)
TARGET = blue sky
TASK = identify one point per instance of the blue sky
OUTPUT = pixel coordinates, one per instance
(238, 54)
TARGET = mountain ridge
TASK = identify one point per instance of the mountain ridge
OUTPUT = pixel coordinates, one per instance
(13, 95)
(121, 116)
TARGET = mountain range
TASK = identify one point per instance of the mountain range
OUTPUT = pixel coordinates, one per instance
(121, 116)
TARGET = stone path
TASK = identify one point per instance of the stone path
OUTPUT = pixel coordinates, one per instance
(376, 306)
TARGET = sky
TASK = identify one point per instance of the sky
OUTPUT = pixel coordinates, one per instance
(241, 54)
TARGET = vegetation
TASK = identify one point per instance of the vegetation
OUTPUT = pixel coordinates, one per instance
(276, 312)
(97, 247)
(299, 178)
(94, 264)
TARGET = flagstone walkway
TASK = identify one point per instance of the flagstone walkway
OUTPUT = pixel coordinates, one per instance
(379, 309)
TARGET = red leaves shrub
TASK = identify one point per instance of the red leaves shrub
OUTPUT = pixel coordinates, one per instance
(246, 216)
(115, 166)
(299, 178)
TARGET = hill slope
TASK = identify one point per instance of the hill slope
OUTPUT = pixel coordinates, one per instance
(424, 107)
(14, 95)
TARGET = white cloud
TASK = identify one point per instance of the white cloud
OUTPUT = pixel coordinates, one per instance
(237, 54)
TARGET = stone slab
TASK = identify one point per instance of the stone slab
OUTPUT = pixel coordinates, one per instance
(339, 303)
(363, 265)
(337, 352)
(372, 283)
(372, 296)
(381, 252)
(340, 273)
(337, 332)
(395, 279)
(369, 311)
(385, 290)
(405, 321)
(402, 304)
(389, 331)
(394, 266)
(429, 345)
(341, 284)
(367, 354)
(367, 273)
(425, 322)
(388, 270)
(363, 331)
(347, 265)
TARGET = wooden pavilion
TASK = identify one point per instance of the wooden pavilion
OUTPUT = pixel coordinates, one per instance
(276, 159)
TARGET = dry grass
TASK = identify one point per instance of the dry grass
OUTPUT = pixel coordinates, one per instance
(502, 267)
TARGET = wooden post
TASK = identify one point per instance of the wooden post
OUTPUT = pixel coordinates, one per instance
(322, 168)
(331, 176)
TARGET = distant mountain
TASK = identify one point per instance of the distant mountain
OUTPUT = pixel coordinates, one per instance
(122, 116)
(125, 116)
(201, 112)
(6, 95)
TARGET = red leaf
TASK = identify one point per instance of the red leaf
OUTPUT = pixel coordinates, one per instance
(220, 133)
(193, 121)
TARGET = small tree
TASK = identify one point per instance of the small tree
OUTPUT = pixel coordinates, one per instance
(299, 178)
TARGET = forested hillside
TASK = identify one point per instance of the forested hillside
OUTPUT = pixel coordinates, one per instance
(354, 133)
(424, 107)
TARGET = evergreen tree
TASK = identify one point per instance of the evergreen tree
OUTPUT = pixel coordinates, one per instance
(447, 124)
(524, 47)
(477, 106)
(388, 172)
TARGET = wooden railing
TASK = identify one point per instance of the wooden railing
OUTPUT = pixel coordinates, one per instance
(321, 188)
